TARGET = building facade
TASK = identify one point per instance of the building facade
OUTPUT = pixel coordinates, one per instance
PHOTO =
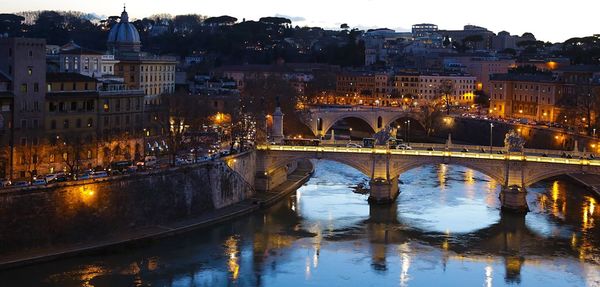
(23, 62)
(531, 97)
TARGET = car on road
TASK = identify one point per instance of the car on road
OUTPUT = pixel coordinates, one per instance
(20, 183)
(353, 145)
(4, 182)
(464, 149)
(99, 174)
(403, 147)
(430, 149)
(38, 181)
(84, 176)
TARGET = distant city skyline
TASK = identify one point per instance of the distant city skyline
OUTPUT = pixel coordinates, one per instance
(551, 21)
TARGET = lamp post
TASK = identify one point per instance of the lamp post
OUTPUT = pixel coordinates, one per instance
(491, 135)
(408, 133)
(350, 136)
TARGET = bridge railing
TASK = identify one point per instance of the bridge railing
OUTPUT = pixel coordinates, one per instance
(436, 152)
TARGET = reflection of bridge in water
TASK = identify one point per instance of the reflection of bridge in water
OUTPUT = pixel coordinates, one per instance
(514, 171)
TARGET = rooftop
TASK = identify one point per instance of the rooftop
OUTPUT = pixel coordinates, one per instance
(68, 77)
(540, 78)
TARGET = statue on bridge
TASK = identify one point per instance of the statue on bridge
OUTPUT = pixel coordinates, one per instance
(513, 142)
(383, 135)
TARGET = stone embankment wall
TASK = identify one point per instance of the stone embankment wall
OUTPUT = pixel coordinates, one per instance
(91, 210)
(478, 132)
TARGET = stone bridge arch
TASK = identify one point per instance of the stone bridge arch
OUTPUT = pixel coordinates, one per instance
(329, 123)
(490, 170)
(320, 120)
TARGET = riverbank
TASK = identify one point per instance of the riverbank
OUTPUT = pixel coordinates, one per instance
(139, 235)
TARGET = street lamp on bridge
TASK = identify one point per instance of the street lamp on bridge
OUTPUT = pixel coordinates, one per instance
(491, 135)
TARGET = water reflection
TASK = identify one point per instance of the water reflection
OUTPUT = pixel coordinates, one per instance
(446, 229)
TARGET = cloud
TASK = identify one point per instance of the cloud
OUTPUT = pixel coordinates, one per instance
(292, 18)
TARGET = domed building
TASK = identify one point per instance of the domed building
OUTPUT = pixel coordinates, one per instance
(124, 37)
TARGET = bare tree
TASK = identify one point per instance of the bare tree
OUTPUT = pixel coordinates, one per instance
(445, 89)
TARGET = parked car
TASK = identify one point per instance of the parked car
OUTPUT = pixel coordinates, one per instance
(4, 182)
(20, 183)
(464, 149)
(150, 161)
(84, 176)
(38, 181)
(430, 149)
(99, 174)
(353, 145)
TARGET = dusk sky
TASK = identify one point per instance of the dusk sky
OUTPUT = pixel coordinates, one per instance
(550, 20)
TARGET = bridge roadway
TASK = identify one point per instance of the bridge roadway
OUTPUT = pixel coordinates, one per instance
(514, 171)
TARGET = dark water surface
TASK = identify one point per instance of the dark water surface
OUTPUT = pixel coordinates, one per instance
(445, 230)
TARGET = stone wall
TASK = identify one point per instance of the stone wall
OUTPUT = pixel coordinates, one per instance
(92, 210)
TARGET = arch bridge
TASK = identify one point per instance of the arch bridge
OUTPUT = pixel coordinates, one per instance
(321, 119)
(514, 171)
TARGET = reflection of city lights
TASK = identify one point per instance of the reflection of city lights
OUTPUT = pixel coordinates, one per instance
(404, 276)
(232, 250)
(488, 276)
(87, 194)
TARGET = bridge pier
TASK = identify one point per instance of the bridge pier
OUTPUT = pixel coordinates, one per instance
(383, 191)
(514, 199)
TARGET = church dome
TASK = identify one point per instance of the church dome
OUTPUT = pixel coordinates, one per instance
(124, 34)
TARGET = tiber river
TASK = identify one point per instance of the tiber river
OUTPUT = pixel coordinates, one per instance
(445, 230)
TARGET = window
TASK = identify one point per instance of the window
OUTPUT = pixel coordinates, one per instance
(89, 154)
(51, 159)
(36, 87)
(29, 71)
(23, 124)
(78, 123)
(73, 106)
(105, 106)
(66, 124)
(35, 123)
(118, 105)
(24, 88)
(53, 124)
(106, 121)
(62, 86)
(89, 105)
(52, 106)
(74, 87)
(61, 106)
(30, 53)
(90, 123)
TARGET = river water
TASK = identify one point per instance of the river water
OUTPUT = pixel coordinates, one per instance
(445, 230)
